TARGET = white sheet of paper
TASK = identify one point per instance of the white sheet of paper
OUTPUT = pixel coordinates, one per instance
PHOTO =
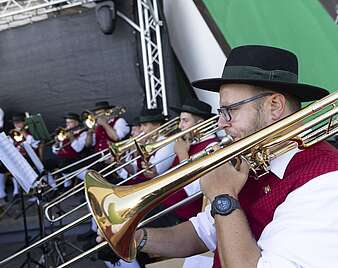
(16, 163)
(31, 153)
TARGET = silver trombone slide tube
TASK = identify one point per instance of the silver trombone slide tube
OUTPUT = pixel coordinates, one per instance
(80, 161)
(73, 191)
(65, 196)
(142, 224)
(75, 173)
(50, 206)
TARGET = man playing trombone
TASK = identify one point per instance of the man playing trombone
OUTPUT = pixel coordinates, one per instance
(109, 127)
(68, 149)
(192, 112)
(285, 218)
(162, 160)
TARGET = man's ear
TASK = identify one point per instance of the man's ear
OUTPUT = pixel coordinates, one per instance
(277, 103)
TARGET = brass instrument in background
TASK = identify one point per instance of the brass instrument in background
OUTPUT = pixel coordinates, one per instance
(118, 148)
(89, 118)
(118, 210)
(62, 134)
(17, 135)
(205, 129)
(197, 132)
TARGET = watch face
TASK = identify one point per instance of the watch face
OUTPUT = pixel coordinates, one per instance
(223, 204)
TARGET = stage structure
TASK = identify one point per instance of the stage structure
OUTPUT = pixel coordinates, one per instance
(15, 13)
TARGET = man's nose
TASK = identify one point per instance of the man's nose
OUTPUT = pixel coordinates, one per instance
(222, 123)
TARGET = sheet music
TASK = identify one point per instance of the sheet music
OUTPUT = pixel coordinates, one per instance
(32, 155)
(16, 163)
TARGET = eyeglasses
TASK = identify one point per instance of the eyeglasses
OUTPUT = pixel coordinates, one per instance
(225, 111)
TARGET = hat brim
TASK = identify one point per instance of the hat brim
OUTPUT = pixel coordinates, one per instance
(183, 110)
(102, 108)
(303, 92)
(150, 119)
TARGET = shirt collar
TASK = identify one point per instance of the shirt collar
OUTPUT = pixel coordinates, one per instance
(278, 165)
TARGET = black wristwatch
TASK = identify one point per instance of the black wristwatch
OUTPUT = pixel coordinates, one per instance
(223, 205)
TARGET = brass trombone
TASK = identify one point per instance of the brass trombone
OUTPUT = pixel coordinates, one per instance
(17, 135)
(118, 210)
(117, 150)
(89, 118)
(201, 131)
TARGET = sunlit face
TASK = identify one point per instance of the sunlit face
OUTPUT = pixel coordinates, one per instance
(245, 119)
(147, 127)
(135, 130)
(19, 125)
(99, 112)
(187, 120)
(70, 123)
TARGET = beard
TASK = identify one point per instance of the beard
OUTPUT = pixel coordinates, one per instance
(257, 123)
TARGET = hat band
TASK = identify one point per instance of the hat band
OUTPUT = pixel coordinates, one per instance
(255, 73)
(193, 110)
(150, 118)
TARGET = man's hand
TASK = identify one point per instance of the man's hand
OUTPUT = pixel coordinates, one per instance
(149, 173)
(102, 120)
(225, 179)
(181, 149)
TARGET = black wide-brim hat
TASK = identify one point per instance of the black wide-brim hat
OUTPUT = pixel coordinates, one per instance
(102, 105)
(264, 66)
(196, 107)
(72, 116)
(150, 116)
(18, 117)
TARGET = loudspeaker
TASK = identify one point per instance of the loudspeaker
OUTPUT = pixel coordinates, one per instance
(106, 16)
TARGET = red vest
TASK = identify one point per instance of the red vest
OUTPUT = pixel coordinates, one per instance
(102, 137)
(67, 150)
(193, 208)
(259, 207)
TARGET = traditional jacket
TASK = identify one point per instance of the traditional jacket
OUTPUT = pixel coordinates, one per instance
(101, 136)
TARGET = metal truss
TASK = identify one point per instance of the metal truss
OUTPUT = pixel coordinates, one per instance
(10, 9)
(149, 28)
(153, 68)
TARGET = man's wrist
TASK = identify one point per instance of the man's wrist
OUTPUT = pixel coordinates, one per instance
(213, 195)
(143, 240)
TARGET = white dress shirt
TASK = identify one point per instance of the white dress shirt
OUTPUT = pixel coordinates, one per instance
(195, 187)
(164, 157)
(121, 127)
(79, 142)
(304, 229)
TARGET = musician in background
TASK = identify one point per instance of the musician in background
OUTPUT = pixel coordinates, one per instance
(130, 169)
(69, 149)
(20, 134)
(163, 158)
(109, 127)
(275, 220)
(192, 112)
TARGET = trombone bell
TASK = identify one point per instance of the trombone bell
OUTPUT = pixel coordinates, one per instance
(114, 209)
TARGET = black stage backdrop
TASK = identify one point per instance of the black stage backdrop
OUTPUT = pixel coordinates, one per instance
(67, 64)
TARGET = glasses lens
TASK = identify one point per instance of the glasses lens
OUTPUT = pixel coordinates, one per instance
(225, 113)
